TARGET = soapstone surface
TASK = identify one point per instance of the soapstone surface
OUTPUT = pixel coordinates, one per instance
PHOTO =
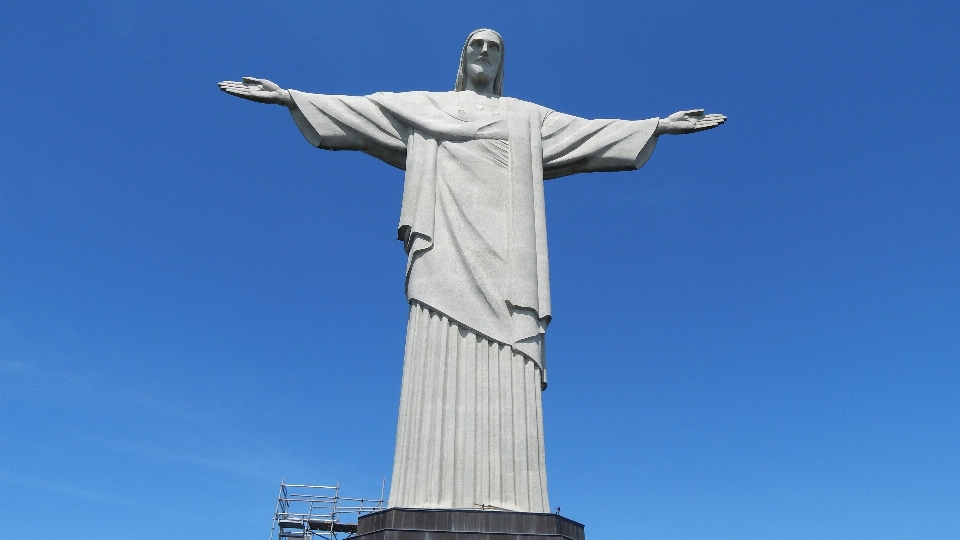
(473, 225)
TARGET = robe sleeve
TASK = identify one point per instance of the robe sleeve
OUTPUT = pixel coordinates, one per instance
(351, 123)
(574, 145)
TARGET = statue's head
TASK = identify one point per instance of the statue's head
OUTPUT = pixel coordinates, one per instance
(481, 60)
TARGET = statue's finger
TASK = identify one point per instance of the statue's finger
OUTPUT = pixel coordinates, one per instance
(237, 92)
(251, 81)
(694, 112)
(235, 89)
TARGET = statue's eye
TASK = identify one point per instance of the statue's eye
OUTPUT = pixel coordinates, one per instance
(495, 46)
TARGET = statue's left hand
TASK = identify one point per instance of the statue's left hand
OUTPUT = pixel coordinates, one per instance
(691, 121)
(259, 90)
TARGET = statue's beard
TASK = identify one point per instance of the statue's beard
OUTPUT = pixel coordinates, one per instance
(480, 72)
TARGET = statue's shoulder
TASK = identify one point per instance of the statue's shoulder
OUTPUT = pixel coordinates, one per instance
(416, 97)
(519, 103)
(411, 93)
(527, 107)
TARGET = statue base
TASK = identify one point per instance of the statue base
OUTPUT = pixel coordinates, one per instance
(438, 524)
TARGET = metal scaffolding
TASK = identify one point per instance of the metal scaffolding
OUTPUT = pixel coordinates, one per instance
(308, 512)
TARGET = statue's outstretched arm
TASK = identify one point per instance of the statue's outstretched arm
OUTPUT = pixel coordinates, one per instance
(259, 90)
(682, 122)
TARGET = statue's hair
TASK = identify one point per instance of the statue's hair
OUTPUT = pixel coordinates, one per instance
(462, 72)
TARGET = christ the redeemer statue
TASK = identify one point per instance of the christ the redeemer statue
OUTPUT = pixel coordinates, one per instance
(470, 431)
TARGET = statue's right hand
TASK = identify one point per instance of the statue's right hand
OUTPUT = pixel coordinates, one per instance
(691, 121)
(259, 90)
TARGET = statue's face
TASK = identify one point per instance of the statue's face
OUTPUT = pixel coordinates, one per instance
(484, 54)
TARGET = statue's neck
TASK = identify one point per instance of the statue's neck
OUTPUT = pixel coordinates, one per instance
(484, 88)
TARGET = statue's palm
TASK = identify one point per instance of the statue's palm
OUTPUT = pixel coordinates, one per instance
(691, 121)
(259, 90)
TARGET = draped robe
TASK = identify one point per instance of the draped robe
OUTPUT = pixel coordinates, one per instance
(474, 228)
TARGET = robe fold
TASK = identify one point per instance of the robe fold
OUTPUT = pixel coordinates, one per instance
(473, 225)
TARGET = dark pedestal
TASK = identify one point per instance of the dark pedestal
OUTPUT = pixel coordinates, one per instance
(420, 524)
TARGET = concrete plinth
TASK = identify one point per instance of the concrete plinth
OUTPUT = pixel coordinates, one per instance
(428, 524)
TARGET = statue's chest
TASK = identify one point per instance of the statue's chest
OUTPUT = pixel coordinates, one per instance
(472, 115)
(473, 108)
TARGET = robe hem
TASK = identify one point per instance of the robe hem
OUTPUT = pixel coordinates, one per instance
(540, 368)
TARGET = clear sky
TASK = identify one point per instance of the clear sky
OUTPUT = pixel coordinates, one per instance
(756, 336)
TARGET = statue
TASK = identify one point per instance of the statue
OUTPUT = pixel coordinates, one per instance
(472, 222)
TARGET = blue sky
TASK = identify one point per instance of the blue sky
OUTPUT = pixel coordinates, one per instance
(756, 336)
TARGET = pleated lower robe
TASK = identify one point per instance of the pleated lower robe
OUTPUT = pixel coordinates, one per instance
(470, 431)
